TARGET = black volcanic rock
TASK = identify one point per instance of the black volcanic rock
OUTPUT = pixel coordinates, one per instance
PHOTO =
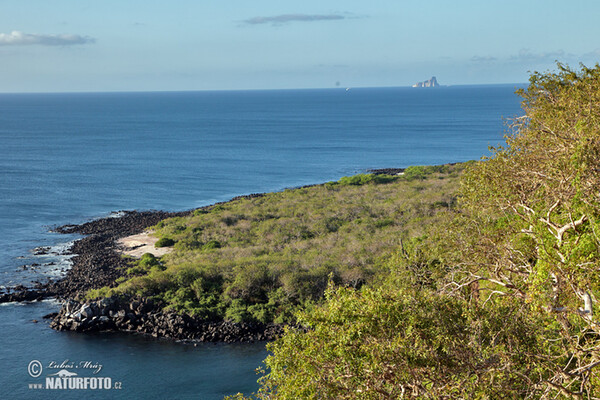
(142, 316)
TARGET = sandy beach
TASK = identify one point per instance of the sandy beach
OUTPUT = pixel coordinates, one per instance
(137, 245)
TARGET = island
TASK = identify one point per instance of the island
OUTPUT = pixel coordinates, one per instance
(427, 84)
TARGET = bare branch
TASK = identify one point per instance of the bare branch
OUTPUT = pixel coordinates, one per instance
(564, 390)
(585, 368)
(551, 209)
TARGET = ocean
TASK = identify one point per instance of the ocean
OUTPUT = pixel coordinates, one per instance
(68, 158)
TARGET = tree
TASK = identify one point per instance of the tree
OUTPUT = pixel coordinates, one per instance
(536, 201)
(387, 343)
(495, 302)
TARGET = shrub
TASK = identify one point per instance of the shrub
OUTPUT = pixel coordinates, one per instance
(362, 179)
(332, 224)
(211, 244)
(386, 343)
(414, 172)
(188, 244)
(145, 265)
(238, 312)
(164, 242)
(383, 222)
(420, 172)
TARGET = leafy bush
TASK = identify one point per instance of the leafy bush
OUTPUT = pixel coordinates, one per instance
(332, 224)
(362, 179)
(211, 244)
(383, 222)
(420, 172)
(389, 343)
(145, 265)
(238, 312)
(164, 242)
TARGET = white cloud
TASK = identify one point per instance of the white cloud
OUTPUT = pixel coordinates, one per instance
(17, 38)
(594, 55)
(529, 56)
(285, 18)
(483, 58)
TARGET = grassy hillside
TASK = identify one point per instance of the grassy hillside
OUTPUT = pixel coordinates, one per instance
(260, 259)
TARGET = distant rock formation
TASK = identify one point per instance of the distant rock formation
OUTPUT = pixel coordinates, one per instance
(430, 83)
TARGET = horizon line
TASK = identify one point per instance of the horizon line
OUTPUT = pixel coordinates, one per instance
(257, 90)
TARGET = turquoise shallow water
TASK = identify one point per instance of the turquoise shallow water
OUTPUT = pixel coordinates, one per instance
(67, 158)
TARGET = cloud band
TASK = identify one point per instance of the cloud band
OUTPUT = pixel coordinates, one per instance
(285, 18)
(17, 38)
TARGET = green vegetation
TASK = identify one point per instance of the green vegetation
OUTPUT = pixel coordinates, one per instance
(417, 286)
(422, 171)
(392, 343)
(164, 242)
(264, 258)
(493, 300)
(362, 179)
(146, 264)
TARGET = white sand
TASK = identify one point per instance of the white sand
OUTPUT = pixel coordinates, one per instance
(137, 245)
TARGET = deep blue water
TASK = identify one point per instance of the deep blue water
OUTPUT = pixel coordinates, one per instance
(67, 158)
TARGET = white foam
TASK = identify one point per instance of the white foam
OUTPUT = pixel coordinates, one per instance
(12, 303)
(60, 249)
(117, 214)
(57, 261)
(52, 301)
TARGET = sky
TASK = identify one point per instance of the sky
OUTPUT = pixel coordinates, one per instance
(150, 45)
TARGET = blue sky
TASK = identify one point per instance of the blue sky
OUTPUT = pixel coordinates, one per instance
(86, 45)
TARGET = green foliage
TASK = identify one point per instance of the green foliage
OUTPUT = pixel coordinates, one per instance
(238, 311)
(389, 343)
(363, 179)
(146, 264)
(332, 224)
(263, 258)
(164, 242)
(383, 222)
(488, 301)
(544, 186)
(211, 244)
(420, 172)
(98, 293)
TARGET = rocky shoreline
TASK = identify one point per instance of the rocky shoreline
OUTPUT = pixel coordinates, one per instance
(142, 316)
(97, 263)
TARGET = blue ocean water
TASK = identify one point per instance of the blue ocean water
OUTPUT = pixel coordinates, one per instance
(67, 158)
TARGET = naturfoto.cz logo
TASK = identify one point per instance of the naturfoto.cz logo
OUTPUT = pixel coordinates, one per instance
(66, 379)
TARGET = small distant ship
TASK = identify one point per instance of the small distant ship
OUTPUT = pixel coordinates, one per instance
(430, 83)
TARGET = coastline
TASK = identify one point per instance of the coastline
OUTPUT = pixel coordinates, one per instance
(98, 261)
